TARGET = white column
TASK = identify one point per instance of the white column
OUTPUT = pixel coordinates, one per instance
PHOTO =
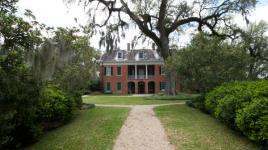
(136, 72)
(146, 71)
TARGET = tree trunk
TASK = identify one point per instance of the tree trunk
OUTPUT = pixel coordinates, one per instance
(170, 77)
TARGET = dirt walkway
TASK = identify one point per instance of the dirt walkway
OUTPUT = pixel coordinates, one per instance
(142, 130)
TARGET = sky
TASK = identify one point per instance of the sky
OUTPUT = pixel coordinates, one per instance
(57, 13)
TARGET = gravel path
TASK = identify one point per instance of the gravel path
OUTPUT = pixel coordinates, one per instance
(142, 130)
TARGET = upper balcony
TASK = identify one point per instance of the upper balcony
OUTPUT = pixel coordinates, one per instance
(141, 72)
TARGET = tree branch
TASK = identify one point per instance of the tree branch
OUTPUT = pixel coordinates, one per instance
(140, 24)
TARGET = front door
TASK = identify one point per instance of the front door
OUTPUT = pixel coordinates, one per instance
(141, 87)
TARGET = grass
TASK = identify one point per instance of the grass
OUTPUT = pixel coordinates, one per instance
(95, 128)
(181, 96)
(190, 129)
(132, 100)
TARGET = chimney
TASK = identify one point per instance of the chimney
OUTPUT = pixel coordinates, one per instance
(128, 46)
(153, 46)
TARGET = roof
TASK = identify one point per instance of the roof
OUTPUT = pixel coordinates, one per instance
(149, 55)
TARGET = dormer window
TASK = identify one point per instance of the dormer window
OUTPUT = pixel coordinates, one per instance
(140, 55)
(119, 55)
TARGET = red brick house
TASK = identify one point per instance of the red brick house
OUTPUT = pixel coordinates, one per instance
(132, 72)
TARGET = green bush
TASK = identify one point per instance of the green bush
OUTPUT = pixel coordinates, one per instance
(198, 102)
(54, 105)
(19, 94)
(224, 101)
(76, 97)
(242, 106)
(252, 120)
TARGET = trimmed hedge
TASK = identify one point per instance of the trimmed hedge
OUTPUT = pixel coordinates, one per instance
(240, 105)
(252, 120)
(224, 101)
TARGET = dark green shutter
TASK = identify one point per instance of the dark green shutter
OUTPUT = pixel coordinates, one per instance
(104, 71)
(111, 71)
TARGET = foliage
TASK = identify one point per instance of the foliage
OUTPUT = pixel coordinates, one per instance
(208, 62)
(22, 106)
(19, 90)
(77, 73)
(198, 102)
(19, 94)
(54, 105)
(241, 105)
(68, 61)
(252, 120)
(76, 98)
(255, 41)
(161, 20)
(95, 86)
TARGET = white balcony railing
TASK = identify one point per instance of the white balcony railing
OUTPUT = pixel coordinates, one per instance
(132, 77)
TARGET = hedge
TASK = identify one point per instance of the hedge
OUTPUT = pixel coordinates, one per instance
(241, 105)
(55, 105)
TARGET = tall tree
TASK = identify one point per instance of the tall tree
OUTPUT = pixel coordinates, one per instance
(208, 62)
(19, 91)
(255, 41)
(66, 59)
(159, 19)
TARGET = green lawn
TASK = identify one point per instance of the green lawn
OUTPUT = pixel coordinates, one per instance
(131, 100)
(190, 129)
(94, 129)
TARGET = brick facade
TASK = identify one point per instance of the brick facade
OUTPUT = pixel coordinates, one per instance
(140, 72)
(142, 86)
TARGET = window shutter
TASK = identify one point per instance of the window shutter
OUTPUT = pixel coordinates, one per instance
(111, 71)
(105, 71)
(160, 70)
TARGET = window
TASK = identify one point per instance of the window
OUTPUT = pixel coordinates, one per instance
(108, 71)
(108, 87)
(119, 55)
(140, 54)
(119, 86)
(162, 86)
(119, 71)
(161, 70)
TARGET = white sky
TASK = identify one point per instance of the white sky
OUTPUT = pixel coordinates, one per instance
(57, 14)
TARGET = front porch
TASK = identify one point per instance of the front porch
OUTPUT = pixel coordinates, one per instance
(141, 87)
(138, 72)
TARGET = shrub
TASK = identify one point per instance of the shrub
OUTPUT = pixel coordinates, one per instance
(252, 120)
(95, 86)
(242, 106)
(198, 102)
(19, 94)
(224, 101)
(54, 105)
(76, 97)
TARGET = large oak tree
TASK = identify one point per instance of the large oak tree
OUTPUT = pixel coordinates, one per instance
(159, 19)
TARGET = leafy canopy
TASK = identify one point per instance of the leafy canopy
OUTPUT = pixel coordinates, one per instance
(160, 19)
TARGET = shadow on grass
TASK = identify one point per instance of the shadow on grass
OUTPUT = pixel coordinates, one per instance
(181, 96)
